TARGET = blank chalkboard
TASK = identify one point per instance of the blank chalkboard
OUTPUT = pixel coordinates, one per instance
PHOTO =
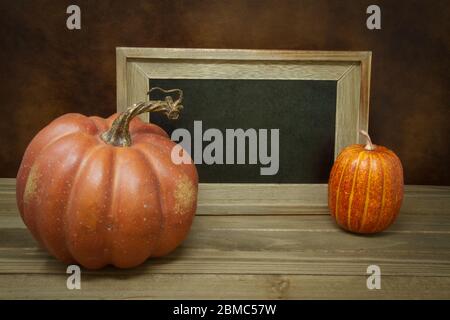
(304, 111)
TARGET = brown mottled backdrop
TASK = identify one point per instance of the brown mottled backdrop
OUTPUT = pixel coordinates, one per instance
(48, 70)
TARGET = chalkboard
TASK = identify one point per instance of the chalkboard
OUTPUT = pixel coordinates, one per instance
(304, 111)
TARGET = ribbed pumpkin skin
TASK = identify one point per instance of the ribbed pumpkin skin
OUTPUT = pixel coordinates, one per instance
(365, 189)
(94, 204)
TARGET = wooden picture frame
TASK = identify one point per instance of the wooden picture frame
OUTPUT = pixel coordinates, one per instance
(350, 69)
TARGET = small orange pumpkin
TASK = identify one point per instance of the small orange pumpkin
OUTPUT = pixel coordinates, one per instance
(365, 189)
(97, 191)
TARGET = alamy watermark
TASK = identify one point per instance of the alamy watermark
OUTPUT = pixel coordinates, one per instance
(373, 22)
(73, 21)
(74, 280)
(374, 280)
(250, 144)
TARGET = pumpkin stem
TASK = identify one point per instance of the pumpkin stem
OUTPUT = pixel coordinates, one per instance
(369, 145)
(119, 134)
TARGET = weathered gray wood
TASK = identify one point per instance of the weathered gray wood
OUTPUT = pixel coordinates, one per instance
(239, 69)
(213, 286)
(348, 110)
(249, 255)
(276, 199)
(241, 54)
(137, 87)
(415, 245)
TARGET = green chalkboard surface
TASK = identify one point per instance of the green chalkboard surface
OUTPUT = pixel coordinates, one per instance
(303, 110)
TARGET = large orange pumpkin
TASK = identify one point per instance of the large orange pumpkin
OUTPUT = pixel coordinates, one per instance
(365, 189)
(100, 191)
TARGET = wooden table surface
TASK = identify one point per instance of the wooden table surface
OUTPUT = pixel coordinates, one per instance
(243, 249)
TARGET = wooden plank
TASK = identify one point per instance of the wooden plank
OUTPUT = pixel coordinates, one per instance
(348, 110)
(213, 69)
(121, 80)
(238, 199)
(253, 256)
(366, 69)
(276, 199)
(427, 200)
(284, 199)
(137, 88)
(200, 286)
(7, 185)
(415, 245)
(242, 54)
